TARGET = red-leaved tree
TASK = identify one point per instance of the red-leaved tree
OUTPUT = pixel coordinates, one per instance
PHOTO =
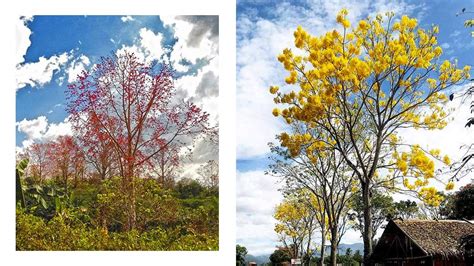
(37, 154)
(131, 104)
(66, 158)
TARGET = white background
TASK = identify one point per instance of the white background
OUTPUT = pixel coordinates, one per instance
(9, 14)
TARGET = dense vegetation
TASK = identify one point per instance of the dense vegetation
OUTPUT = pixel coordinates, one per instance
(115, 182)
(91, 216)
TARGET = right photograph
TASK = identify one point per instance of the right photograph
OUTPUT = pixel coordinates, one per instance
(355, 133)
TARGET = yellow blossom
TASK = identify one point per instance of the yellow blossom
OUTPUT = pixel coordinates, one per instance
(449, 186)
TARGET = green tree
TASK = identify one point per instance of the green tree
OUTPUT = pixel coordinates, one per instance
(460, 205)
(381, 208)
(405, 209)
(279, 256)
(241, 252)
(357, 257)
(348, 252)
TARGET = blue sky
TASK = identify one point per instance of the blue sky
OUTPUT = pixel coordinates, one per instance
(88, 35)
(264, 28)
(52, 50)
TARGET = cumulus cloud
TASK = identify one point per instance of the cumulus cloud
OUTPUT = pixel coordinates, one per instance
(148, 47)
(22, 38)
(208, 86)
(39, 130)
(197, 39)
(127, 18)
(202, 88)
(203, 26)
(76, 67)
(37, 74)
(151, 43)
(35, 128)
(257, 196)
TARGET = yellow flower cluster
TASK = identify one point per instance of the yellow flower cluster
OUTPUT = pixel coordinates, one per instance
(415, 163)
(367, 67)
(341, 18)
(289, 215)
(449, 185)
(296, 142)
(430, 196)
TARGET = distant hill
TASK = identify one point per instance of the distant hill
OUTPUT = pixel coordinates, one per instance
(258, 259)
(342, 250)
(354, 247)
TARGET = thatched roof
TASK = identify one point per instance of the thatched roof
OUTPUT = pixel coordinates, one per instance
(437, 237)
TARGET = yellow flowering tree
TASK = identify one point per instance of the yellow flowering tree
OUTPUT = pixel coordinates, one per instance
(322, 177)
(295, 225)
(357, 87)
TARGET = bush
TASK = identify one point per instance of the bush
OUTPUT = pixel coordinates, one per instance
(66, 233)
(92, 216)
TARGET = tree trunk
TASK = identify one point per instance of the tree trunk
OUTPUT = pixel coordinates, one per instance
(323, 242)
(130, 189)
(334, 240)
(367, 237)
(65, 174)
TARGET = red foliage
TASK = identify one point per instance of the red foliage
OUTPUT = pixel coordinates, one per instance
(130, 106)
(66, 158)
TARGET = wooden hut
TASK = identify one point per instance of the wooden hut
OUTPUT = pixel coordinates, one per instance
(423, 242)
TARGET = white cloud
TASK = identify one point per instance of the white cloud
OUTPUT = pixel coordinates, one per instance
(35, 128)
(76, 67)
(187, 48)
(41, 72)
(59, 129)
(147, 47)
(455, 33)
(151, 43)
(22, 38)
(257, 196)
(445, 45)
(39, 130)
(127, 18)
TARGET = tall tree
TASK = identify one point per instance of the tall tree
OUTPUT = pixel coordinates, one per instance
(132, 104)
(361, 86)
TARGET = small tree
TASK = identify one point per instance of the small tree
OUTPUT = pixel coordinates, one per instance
(280, 256)
(241, 252)
(295, 225)
(37, 154)
(65, 156)
(461, 204)
(209, 173)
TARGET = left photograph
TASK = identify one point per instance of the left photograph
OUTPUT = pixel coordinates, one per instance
(117, 133)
